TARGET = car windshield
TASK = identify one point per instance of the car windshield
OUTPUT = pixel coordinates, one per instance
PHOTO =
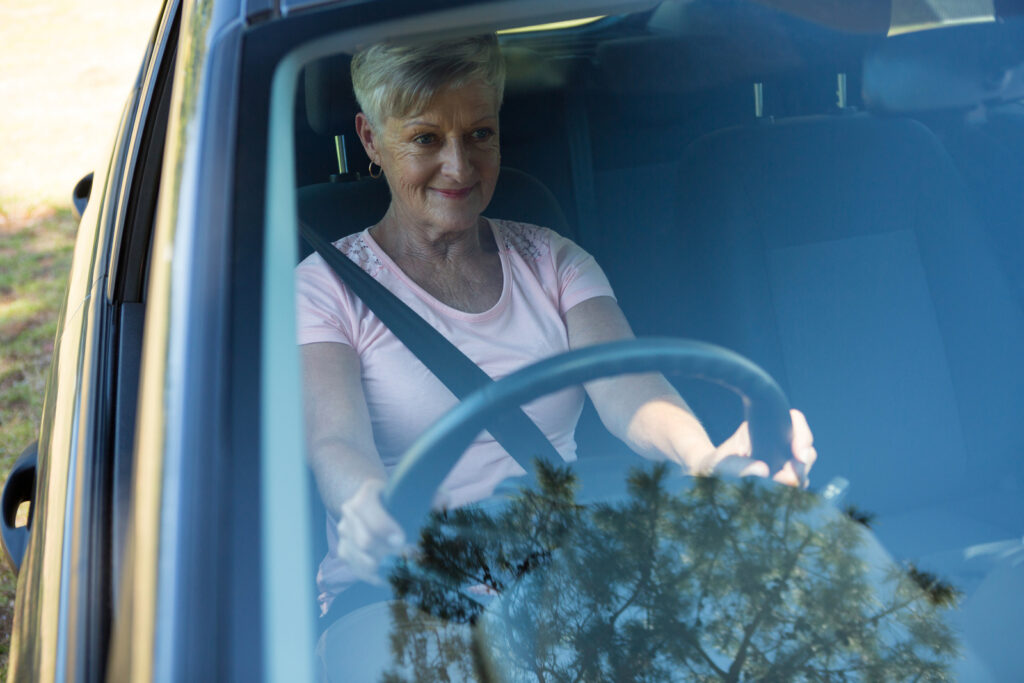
(833, 199)
(672, 579)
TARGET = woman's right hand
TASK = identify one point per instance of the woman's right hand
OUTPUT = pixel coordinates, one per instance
(367, 533)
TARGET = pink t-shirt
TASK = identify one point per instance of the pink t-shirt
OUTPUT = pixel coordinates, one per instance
(544, 276)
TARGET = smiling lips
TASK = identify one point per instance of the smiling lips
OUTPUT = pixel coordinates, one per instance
(455, 194)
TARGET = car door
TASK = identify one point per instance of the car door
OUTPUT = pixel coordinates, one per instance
(172, 620)
(68, 576)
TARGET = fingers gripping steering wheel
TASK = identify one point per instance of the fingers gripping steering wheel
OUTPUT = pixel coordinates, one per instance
(427, 462)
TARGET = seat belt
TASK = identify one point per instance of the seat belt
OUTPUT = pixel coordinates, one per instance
(513, 429)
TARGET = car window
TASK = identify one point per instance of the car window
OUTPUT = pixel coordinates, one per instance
(130, 267)
(765, 183)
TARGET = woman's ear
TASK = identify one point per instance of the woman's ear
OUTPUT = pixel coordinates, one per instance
(367, 136)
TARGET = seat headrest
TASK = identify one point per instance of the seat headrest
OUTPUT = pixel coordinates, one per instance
(331, 106)
(706, 44)
(957, 67)
(673, 65)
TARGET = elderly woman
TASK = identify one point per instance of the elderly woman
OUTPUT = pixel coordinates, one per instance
(505, 293)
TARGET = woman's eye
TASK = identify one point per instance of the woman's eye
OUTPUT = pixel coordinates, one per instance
(482, 133)
(424, 139)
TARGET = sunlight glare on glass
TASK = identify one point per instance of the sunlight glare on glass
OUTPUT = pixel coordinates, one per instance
(554, 26)
(909, 16)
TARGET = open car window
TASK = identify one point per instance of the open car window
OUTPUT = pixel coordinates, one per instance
(836, 206)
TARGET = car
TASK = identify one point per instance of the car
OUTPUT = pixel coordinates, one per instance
(830, 191)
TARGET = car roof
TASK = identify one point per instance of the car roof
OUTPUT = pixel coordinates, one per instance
(906, 17)
(270, 10)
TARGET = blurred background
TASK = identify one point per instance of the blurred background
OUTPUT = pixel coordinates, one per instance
(66, 68)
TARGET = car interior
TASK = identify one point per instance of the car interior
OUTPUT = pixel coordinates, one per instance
(843, 208)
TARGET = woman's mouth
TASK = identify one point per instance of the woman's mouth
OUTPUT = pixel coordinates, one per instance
(455, 194)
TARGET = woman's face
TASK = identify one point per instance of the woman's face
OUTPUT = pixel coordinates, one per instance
(442, 163)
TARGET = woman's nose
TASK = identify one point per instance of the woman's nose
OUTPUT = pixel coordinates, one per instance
(456, 162)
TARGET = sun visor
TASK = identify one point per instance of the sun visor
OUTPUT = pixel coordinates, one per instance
(957, 67)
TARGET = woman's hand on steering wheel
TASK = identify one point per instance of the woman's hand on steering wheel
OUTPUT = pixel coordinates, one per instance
(367, 533)
(733, 456)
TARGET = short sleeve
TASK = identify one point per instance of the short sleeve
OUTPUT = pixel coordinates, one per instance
(579, 276)
(323, 310)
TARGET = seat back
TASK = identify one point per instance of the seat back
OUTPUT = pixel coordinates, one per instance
(842, 254)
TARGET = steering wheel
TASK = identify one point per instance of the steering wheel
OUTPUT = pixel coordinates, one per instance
(427, 462)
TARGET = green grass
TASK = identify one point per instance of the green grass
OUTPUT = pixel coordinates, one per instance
(35, 255)
(66, 68)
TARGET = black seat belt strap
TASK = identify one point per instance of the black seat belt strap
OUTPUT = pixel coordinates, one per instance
(513, 430)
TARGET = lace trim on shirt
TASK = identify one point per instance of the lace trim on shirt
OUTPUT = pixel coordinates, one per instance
(530, 241)
(356, 249)
(527, 240)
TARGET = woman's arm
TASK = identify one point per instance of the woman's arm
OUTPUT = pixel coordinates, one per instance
(644, 411)
(348, 470)
(647, 413)
(339, 437)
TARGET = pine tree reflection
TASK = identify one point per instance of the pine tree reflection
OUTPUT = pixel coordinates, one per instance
(718, 581)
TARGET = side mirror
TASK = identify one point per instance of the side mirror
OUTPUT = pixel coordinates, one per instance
(19, 488)
(80, 195)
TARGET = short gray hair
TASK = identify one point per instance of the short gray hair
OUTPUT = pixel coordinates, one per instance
(400, 79)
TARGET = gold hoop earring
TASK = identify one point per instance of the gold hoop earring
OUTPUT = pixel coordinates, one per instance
(379, 173)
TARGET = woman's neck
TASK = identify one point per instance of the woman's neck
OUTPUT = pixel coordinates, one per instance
(461, 269)
(405, 242)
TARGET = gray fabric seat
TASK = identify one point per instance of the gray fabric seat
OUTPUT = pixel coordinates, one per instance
(841, 253)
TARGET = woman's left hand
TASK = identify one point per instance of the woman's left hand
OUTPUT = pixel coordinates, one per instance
(733, 456)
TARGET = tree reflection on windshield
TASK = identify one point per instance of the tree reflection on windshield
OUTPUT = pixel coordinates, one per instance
(718, 580)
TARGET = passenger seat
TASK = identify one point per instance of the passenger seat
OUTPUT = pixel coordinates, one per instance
(842, 254)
